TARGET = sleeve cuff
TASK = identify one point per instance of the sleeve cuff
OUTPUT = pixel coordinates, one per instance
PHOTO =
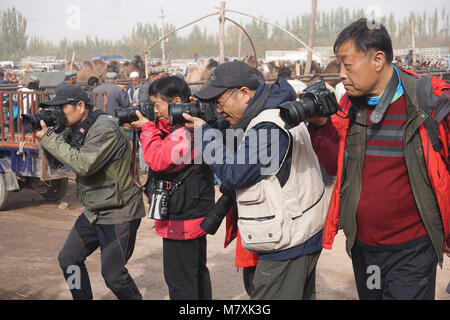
(46, 136)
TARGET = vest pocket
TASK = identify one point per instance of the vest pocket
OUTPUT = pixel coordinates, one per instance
(259, 234)
(252, 195)
(260, 227)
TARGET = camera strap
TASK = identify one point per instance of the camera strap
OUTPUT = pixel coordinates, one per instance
(82, 130)
(179, 180)
(381, 107)
(173, 185)
(385, 100)
(133, 162)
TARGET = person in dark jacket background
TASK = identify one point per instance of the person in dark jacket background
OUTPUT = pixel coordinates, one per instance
(116, 97)
(169, 153)
(92, 83)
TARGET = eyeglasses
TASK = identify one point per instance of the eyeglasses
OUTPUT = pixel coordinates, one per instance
(219, 105)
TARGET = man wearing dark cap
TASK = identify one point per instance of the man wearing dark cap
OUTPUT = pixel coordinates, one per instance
(274, 175)
(157, 73)
(98, 151)
(70, 77)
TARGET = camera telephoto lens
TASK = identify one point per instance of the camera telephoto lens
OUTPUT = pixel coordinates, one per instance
(32, 122)
(176, 112)
(205, 110)
(295, 112)
(316, 100)
(214, 218)
(128, 115)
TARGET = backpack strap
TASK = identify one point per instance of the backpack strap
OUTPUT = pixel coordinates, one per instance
(442, 108)
(429, 102)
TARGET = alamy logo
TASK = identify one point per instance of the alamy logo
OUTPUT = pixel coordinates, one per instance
(74, 280)
(374, 280)
(74, 17)
(373, 13)
(212, 146)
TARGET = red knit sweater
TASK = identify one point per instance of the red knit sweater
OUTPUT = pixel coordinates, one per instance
(387, 213)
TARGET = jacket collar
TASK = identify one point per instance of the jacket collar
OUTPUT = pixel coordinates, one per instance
(163, 125)
(409, 83)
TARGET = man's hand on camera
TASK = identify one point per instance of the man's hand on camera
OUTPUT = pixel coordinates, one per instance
(193, 123)
(40, 134)
(140, 122)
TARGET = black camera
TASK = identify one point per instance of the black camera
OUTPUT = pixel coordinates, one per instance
(53, 116)
(214, 218)
(128, 115)
(316, 100)
(205, 110)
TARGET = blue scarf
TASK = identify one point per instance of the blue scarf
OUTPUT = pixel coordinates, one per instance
(373, 101)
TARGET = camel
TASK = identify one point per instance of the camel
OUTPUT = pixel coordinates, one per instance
(98, 68)
(137, 65)
(270, 69)
(87, 70)
(200, 71)
(332, 67)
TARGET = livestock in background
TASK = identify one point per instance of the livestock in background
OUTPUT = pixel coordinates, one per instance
(200, 71)
(332, 67)
(136, 65)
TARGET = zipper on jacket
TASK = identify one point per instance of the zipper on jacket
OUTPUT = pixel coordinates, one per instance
(257, 219)
(102, 187)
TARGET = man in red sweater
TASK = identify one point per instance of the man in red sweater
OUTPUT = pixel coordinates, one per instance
(391, 201)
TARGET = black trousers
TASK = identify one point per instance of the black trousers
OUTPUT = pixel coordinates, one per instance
(185, 270)
(116, 243)
(404, 272)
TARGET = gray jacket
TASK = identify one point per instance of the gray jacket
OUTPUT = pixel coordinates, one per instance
(116, 97)
(143, 91)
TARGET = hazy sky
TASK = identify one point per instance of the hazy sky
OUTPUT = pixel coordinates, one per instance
(112, 19)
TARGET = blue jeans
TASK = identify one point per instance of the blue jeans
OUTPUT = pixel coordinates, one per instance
(117, 244)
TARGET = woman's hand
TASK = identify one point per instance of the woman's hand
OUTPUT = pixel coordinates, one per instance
(138, 124)
(193, 123)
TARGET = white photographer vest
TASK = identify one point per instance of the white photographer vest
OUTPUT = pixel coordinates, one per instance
(274, 218)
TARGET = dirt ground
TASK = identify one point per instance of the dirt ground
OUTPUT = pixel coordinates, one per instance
(32, 232)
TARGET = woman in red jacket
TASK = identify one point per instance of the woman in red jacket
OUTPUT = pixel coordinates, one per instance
(188, 189)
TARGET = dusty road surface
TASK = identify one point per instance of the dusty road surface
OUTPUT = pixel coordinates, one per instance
(32, 231)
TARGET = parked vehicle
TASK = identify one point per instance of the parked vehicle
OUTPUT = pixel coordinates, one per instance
(22, 163)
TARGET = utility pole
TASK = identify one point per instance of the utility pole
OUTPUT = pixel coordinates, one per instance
(312, 34)
(164, 40)
(73, 59)
(413, 43)
(146, 60)
(222, 32)
(240, 43)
